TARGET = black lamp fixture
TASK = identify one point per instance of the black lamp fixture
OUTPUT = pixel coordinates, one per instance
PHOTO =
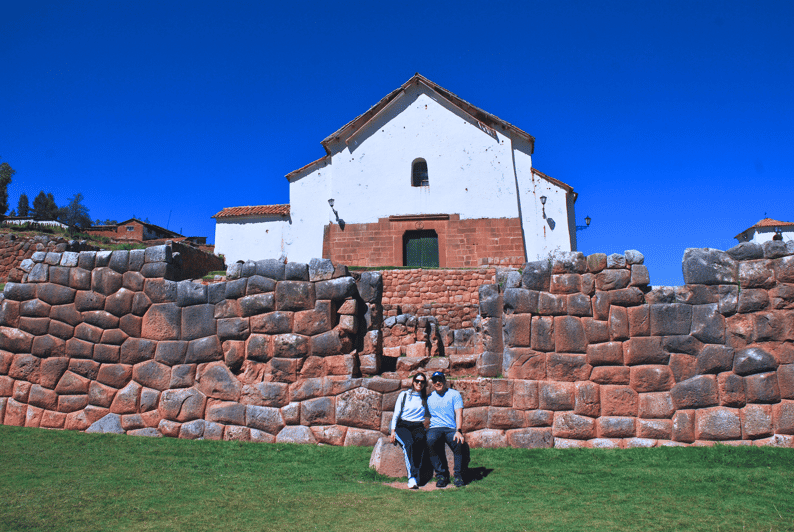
(587, 221)
(336, 214)
(543, 203)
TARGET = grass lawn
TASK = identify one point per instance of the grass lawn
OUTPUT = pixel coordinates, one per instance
(59, 480)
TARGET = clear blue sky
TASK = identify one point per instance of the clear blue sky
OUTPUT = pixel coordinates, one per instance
(673, 120)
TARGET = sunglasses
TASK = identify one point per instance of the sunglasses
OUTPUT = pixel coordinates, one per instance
(420, 381)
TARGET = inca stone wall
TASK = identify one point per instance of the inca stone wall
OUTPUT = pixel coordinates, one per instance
(14, 249)
(576, 351)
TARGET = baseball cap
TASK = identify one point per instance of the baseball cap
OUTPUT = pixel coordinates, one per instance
(438, 376)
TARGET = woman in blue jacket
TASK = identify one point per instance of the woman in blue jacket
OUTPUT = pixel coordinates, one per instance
(408, 426)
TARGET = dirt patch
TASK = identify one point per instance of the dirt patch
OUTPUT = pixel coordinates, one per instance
(403, 485)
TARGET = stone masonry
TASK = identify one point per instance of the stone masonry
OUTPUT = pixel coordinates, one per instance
(576, 351)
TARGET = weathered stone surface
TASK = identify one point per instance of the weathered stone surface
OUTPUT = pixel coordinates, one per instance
(556, 396)
(615, 427)
(542, 335)
(516, 301)
(536, 276)
(530, 438)
(746, 251)
(588, 399)
(162, 322)
(216, 381)
(616, 260)
(105, 281)
(596, 262)
(329, 344)
(517, 328)
(135, 350)
(618, 401)
(170, 353)
(285, 369)
(762, 388)
(54, 294)
(618, 323)
(718, 423)
(35, 308)
(709, 266)
(696, 392)
(613, 279)
(318, 411)
(651, 378)
(573, 426)
(258, 284)
(257, 304)
(204, 350)
(605, 354)
(197, 321)
(275, 394)
(753, 360)
(152, 375)
(100, 395)
(752, 300)
(272, 323)
(296, 434)
(783, 415)
(359, 408)
(567, 367)
(569, 335)
(756, 421)
(715, 359)
(299, 295)
(370, 286)
(109, 424)
(228, 413)
(264, 418)
(644, 350)
(522, 363)
(610, 375)
(657, 405)
(115, 375)
(670, 319)
(127, 400)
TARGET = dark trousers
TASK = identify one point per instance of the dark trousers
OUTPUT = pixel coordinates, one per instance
(436, 438)
(411, 437)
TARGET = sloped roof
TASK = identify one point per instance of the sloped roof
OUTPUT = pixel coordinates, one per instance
(564, 186)
(167, 232)
(476, 112)
(253, 210)
(766, 222)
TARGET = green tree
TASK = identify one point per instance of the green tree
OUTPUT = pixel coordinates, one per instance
(6, 173)
(75, 214)
(23, 207)
(44, 207)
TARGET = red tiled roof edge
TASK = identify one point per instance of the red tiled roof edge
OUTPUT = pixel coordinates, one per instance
(254, 210)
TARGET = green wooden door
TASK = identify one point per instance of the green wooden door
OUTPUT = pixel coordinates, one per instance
(421, 249)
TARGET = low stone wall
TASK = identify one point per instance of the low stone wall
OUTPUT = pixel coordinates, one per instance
(576, 351)
(594, 358)
(14, 249)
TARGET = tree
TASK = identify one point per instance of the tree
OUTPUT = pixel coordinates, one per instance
(44, 207)
(23, 207)
(6, 173)
(75, 213)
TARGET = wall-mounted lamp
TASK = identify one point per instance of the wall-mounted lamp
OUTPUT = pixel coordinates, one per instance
(778, 234)
(336, 214)
(543, 203)
(587, 221)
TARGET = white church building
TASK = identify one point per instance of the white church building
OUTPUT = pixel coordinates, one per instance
(424, 179)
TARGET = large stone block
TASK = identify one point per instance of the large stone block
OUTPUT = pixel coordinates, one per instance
(610, 374)
(596, 331)
(51, 370)
(613, 279)
(216, 381)
(573, 426)
(35, 308)
(204, 350)
(783, 415)
(618, 401)
(318, 411)
(762, 388)
(359, 408)
(657, 405)
(370, 286)
(718, 423)
(752, 300)
(651, 378)
(114, 375)
(264, 418)
(105, 281)
(197, 321)
(753, 360)
(670, 319)
(536, 276)
(556, 396)
(569, 335)
(715, 359)
(654, 429)
(25, 367)
(517, 329)
(588, 399)
(731, 389)
(135, 350)
(275, 394)
(709, 266)
(55, 294)
(644, 350)
(542, 335)
(522, 363)
(552, 304)
(567, 367)
(684, 426)
(618, 323)
(616, 427)
(605, 354)
(162, 322)
(227, 413)
(697, 392)
(299, 295)
(756, 421)
(127, 400)
(152, 375)
(708, 325)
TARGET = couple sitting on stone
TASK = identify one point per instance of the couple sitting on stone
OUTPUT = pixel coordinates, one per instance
(444, 406)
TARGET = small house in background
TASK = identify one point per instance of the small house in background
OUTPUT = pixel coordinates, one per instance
(766, 230)
(133, 230)
(422, 179)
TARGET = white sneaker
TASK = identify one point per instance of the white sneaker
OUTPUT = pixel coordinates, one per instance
(412, 484)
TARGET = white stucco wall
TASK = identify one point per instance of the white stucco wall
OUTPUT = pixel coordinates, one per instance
(765, 234)
(252, 238)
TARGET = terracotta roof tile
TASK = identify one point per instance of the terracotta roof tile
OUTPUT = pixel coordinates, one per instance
(769, 222)
(254, 210)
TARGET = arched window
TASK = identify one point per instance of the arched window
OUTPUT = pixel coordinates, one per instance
(419, 176)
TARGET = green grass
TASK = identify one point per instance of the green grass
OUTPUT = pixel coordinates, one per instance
(58, 480)
(211, 275)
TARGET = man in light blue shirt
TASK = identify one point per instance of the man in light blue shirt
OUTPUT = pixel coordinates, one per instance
(446, 421)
